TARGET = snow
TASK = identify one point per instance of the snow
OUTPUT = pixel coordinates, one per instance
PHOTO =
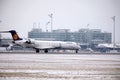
(59, 67)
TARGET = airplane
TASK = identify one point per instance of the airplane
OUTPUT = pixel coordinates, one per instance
(106, 47)
(41, 45)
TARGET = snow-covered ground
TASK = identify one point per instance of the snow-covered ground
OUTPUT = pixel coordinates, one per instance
(59, 66)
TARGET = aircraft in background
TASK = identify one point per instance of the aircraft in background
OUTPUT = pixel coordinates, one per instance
(107, 47)
(41, 45)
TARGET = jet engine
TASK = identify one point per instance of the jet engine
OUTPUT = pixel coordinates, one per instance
(28, 41)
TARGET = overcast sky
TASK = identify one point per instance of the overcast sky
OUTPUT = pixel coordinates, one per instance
(69, 14)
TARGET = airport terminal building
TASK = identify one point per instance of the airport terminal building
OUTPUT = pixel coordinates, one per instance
(83, 36)
(86, 37)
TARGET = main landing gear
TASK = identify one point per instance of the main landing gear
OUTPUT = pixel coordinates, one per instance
(76, 51)
(46, 51)
(37, 50)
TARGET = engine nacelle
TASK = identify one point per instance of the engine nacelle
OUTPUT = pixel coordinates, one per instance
(30, 41)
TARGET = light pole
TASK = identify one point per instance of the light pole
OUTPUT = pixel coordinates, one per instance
(46, 26)
(87, 36)
(113, 18)
(51, 16)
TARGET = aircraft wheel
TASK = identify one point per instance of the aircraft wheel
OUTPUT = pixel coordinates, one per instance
(46, 51)
(76, 51)
(37, 51)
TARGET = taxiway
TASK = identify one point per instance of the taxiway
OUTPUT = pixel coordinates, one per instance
(25, 66)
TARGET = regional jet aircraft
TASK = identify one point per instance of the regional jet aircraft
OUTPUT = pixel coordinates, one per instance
(42, 45)
(105, 47)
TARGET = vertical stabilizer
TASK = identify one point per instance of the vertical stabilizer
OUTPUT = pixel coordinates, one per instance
(14, 35)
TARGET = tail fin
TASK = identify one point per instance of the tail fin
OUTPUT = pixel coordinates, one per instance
(14, 35)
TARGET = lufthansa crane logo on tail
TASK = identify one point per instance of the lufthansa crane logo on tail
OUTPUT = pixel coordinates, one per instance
(15, 37)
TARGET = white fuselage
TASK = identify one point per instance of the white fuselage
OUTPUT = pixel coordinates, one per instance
(49, 44)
